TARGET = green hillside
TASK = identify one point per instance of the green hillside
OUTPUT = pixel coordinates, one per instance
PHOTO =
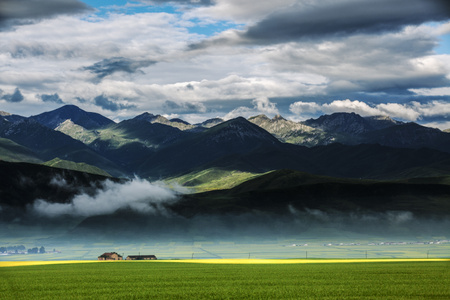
(13, 152)
(77, 132)
(212, 179)
(281, 191)
(70, 165)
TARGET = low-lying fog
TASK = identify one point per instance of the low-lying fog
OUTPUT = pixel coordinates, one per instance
(138, 211)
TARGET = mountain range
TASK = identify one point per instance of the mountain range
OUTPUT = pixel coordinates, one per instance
(342, 163)
(151, 146)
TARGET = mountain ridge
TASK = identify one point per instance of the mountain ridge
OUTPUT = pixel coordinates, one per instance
(144, 146)
(88, 120)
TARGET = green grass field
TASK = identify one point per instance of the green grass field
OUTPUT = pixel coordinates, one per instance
(176, 280)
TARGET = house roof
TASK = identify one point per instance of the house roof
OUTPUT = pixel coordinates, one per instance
(140, 256)
(108, 254)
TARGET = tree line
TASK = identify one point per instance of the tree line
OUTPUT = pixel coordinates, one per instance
(22, 248)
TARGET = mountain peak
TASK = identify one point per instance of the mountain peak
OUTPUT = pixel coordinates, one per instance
(211, 122)
(145, 117)
(278, 118)
(88, 120)
(259, 118)
(382, 122)
(243, 130)
(178, 120)
(341, 122)
(4, 113)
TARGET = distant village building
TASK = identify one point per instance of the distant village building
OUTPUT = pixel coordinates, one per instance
(141, 257)
(110, 256)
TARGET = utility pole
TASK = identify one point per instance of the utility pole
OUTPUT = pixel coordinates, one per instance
(428, 252)
(192, 256)
(249, 255)
(366, 254)
(306, 254)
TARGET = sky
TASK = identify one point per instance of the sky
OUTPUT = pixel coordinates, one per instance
(199, 59)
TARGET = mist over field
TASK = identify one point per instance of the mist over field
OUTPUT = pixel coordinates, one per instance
(138, 195)
(138, 216)
(141, 210)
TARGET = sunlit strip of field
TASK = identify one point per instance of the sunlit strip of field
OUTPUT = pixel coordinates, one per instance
(232, 261)
(35, 263)
(304, 261)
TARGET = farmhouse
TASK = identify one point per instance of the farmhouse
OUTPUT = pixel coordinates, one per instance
(141, 257)
(110, 256)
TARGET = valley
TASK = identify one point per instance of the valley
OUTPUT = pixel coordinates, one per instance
(78, 176)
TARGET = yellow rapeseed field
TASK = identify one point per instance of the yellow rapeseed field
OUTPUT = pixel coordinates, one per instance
(229, 261)
(34, 263)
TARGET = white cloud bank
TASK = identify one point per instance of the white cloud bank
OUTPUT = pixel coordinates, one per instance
(138, 195)
(411, 111)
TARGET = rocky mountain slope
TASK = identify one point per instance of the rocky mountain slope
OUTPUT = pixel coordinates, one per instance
(370, 147)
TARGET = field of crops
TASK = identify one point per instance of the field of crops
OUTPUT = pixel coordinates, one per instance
(176, 280)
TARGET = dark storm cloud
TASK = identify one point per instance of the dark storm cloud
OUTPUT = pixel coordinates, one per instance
(107, 104)
(51, 98)
(117, 64)
(351, 17)
(343, 18)
(184, 107)
(20, 12)
(14, 97)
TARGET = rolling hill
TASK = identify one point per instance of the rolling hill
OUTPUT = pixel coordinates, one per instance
(13, 152)
(285, 191)
(70, 165)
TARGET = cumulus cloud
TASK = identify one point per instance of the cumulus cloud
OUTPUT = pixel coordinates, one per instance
(51, 98)
(260, 105)
(107, 104)
(84, 62)
(117, 64)
(364, 62)
(301, 107)
(18, 12)
(138, 195)
(411, 111)
(432, 108)
(14, 97)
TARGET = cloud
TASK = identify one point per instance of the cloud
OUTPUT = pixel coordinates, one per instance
(239, 11)
(445, 125)
(411, 111)
(330, 19)
(138, 195)
(14, 97)
(183, 107)
(260, 105)
(344, 18)
(364, 62)
(107, 104)
(19, 12)
(301, 107)
(109, 66)
(73, 57)
(432, 108)
(51, 98)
